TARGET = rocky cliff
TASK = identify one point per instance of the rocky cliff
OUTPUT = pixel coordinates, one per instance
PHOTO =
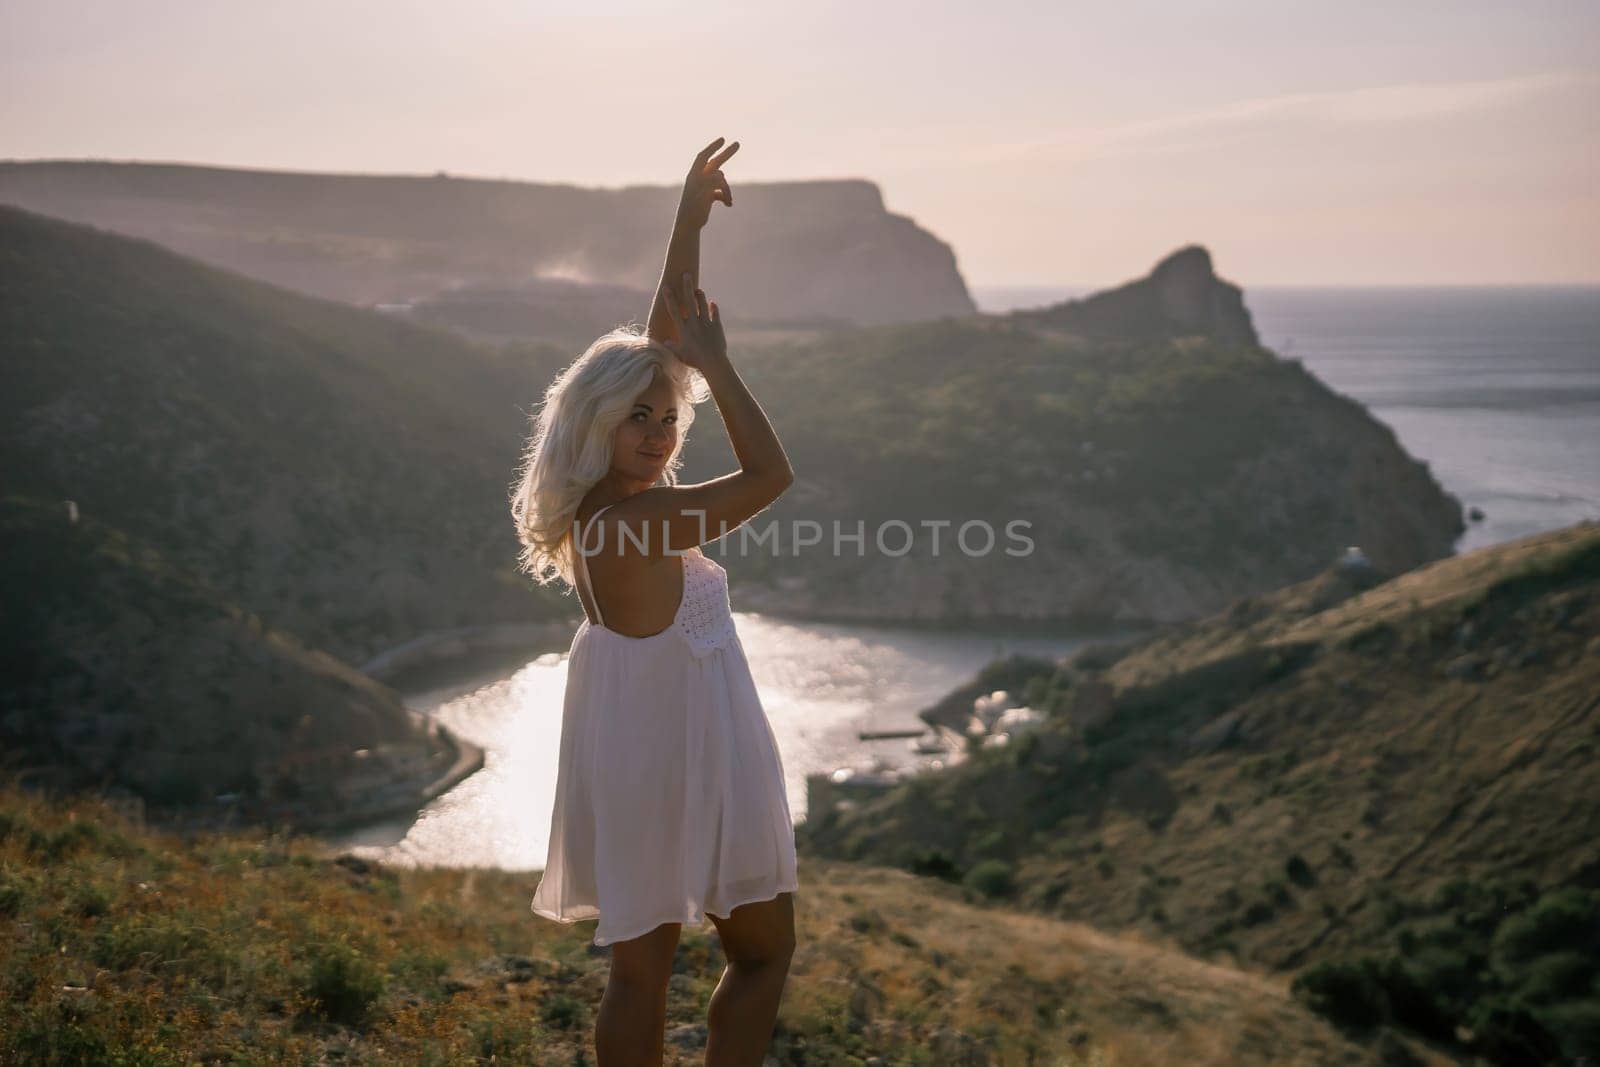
(1181, 296)
(1163, 462)
(786, 251)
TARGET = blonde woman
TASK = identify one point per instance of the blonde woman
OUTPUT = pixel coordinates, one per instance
(670, 802)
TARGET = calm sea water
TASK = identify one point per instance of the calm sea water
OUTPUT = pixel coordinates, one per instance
(1497, 389)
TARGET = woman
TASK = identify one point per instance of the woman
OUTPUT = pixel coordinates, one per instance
(670, 801)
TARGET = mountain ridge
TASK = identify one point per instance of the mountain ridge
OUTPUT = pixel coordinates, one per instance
(824, 248)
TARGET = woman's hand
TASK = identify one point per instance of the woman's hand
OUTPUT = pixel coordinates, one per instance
(706, 183)
(700, 340)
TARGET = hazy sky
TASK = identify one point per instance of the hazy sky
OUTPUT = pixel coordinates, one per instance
(1050, 142)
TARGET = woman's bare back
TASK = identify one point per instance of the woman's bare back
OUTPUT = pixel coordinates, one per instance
(641, 592)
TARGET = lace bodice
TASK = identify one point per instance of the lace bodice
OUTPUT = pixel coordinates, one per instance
(706, 616)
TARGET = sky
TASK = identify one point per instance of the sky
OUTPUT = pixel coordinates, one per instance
(1049, 143)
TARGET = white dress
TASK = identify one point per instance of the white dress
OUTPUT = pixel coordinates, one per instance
(670, 799)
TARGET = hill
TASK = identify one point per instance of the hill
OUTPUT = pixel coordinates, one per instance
(124, 945)
(121, 673)
(816, 249)
(1402, 771)
(219, 495)
(342, 474)
(1181, 296)
(1153, 477)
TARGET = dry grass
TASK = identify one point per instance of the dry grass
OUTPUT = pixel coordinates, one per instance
(119, 944)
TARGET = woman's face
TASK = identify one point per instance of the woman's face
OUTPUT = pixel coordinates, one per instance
(648, 436)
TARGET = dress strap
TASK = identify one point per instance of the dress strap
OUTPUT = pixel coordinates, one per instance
(583, 541)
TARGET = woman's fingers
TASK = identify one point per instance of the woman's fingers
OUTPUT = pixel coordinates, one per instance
(721, 190)
(688, 294)
(716, 315)
(700, 302)
(726, 154)
(705, 153)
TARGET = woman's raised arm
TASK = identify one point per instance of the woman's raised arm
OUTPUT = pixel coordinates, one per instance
(678, 517)
(705, 183)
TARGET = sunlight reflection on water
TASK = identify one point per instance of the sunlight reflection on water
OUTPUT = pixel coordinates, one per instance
(820, 683)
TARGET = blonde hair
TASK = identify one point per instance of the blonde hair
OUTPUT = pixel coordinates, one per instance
(569, 446)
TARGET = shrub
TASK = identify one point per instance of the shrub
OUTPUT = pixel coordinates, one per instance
(342, 983)
(1558, 976)
(1575, 1025)
(933, 862)
(1345, 993)
(1564, 920)
(992, 878)
(991, 844)
(1411, 1004)
(504, 1038)
(12, 896)
(1504, 1033)
(867, 922)
(1449, 972)
(561, 1012)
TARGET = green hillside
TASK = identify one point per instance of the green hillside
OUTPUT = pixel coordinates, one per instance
(125, 674)
(1404, 773)
(340, 473)
(1160, 476)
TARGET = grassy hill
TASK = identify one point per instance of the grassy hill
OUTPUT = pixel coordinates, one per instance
(342, 474)
(123, 673)
(1160, 475)
(120, 945)
(1404, 774)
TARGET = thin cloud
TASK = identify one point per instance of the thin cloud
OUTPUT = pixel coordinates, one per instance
(1376, 104)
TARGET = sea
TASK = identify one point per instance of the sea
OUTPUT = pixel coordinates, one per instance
(1496, 388)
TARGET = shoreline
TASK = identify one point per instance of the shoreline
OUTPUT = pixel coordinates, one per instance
(429, 660)
(438, 657)
(467, 759)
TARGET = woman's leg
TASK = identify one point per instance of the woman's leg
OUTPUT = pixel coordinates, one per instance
(630, 1028)
(758, 940)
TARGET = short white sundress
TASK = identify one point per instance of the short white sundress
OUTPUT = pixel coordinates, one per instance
(670, 799)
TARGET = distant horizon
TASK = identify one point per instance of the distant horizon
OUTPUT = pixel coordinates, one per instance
(1248, 286)
(971, 284)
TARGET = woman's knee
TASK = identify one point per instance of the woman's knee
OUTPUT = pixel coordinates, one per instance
(645, 961)
(760, 935)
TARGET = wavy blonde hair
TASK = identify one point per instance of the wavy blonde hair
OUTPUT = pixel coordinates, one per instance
(569, 446)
